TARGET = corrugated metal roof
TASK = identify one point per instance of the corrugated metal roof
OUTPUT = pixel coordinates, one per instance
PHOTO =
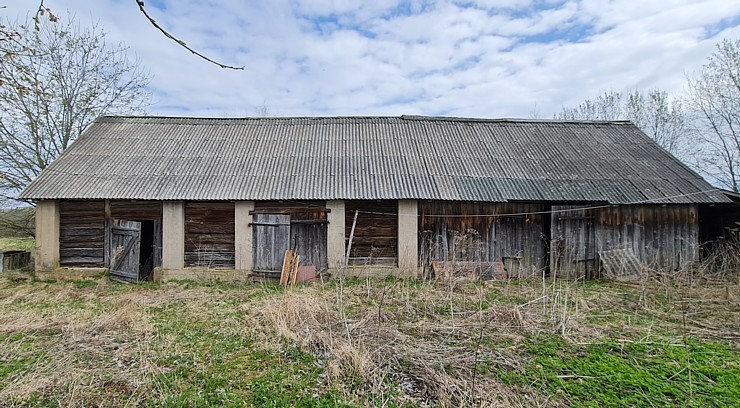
(408, 157)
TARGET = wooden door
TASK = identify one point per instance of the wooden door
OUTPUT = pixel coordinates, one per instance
(308, 238)
(271, 237)
(125, 247)
(573, 247)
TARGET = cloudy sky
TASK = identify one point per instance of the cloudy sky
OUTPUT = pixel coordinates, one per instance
(486, 58)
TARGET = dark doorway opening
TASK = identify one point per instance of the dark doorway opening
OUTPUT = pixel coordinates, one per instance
(146, 253)
(547, 238)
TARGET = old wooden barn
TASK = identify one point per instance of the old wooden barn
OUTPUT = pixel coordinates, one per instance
(164, 198)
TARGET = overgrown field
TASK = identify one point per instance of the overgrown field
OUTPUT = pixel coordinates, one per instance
(385, 342)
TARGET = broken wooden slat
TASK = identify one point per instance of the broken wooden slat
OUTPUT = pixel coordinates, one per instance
(294, 269)
(285, 271)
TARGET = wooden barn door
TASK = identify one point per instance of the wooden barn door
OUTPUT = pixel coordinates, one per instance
(308, 238)
(573, 246)
(125, 248)
(271, 240)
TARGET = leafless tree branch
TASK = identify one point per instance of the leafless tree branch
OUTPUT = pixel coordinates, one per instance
(55, 83)
(140, 3)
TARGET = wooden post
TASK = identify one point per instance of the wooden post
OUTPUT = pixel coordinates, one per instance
(351, 235)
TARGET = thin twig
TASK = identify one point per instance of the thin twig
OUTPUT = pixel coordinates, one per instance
(140, 3)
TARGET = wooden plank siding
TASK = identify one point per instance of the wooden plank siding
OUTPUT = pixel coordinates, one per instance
(209, 234)
(375, 240)
(306, 234)
(136, 210)
(82, 233)
(662, 237)
(512, 233)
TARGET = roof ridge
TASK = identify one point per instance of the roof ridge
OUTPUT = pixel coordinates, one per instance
(107, 118)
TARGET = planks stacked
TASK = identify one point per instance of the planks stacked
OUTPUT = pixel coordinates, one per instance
(289, 272)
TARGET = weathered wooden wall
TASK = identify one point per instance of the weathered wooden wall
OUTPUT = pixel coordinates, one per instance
(301, 226)
(573, 252)
(209, 234)
(136, 210)
(661, 237)
(82, 233)
(375, 241)
(512, 233)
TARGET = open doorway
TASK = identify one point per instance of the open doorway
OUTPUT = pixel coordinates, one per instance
(146, 252)
(135, 248)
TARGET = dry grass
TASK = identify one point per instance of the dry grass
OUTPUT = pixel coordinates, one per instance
(371, 342)
(75, 353)
(83, 345)
(432, 339)
(424, 337)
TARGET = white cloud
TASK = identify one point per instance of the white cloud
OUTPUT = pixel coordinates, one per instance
(465, 58)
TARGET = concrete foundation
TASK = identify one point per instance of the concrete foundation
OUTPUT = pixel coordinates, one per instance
(243, 236)
(47, 235)
(335, 245)
(173, 235)
(202, 275)
(70, 274)
(408, 237)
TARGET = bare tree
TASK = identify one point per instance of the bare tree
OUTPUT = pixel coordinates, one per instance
(607, 106)
(661, 118)
(714, 96)
(53, 83)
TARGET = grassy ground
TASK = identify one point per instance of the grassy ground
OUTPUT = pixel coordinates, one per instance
(370, 342)
(16, 244)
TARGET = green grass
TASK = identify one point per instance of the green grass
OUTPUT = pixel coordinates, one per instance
(633, 373)
(16, 244)
(98, 343)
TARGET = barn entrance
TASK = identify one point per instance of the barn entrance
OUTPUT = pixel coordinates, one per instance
(276, 229)
(134, 250)
(133, 239)
(573, 243)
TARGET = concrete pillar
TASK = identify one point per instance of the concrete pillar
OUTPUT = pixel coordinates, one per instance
(335, 234)
(47, 235)
(408, 236)
(243, 235)
(173, 235)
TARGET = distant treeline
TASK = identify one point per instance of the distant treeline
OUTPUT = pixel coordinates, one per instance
(17, 222)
